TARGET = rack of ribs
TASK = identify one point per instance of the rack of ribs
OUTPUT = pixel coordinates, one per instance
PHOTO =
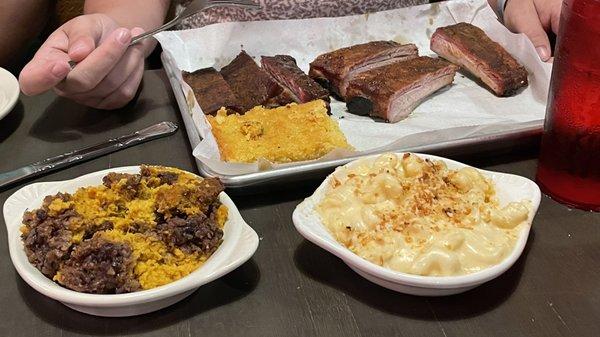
(393, 91)
(337, 68)
(469, 47)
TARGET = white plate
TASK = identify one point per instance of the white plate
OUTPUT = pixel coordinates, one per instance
(508, 188)
(9, 92)
(239, 244)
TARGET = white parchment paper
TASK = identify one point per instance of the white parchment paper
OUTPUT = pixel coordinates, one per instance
(459, 111)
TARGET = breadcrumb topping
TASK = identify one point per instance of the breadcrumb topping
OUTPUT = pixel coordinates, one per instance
(420, 217)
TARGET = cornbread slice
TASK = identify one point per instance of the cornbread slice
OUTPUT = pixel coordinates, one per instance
(290, 133)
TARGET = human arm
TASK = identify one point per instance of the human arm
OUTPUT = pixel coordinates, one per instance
(148, 14)
(108, 73)
(20, 22)
(534, 18)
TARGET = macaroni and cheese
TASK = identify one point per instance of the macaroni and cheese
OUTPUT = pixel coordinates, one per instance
(419, 217)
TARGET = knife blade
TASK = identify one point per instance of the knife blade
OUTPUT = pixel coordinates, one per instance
(155, 131)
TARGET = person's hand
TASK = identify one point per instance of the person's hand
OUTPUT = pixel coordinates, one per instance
(534, 18)
(108, 73)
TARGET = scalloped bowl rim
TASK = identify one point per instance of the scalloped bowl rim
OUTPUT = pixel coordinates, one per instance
(225, 259)
(413, 280)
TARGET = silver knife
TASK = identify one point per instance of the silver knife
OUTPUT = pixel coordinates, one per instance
(115, 144)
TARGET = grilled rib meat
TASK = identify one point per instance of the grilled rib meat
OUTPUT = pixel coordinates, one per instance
(285, 71)
(335, 69)
(211, 91)
(469, 47)
(393, 91)
(252, 85)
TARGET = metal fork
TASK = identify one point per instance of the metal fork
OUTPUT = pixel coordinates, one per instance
(194, 7)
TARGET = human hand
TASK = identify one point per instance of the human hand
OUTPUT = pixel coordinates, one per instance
(534, 18)
(108, 73)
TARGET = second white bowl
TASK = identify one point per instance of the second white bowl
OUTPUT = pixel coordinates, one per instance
(508, 188)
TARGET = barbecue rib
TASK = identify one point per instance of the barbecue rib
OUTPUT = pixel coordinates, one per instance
(252, 85)
(469, 47)
(393, 91)
(211, 91)
(285, 71)
(335, 69)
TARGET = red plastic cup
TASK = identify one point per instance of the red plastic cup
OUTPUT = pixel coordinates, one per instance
(569, 165)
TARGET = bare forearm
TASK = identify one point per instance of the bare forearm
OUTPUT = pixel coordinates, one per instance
(20, 21)
(131, 13)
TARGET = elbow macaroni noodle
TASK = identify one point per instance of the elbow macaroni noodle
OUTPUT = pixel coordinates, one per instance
(419, 217)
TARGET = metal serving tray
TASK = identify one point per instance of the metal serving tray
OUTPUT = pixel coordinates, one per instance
(468, 145)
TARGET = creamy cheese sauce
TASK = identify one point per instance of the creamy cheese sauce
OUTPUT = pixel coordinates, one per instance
(419, 217)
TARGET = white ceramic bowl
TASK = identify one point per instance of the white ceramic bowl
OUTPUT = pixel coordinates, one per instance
(239, 244)
(508, 188)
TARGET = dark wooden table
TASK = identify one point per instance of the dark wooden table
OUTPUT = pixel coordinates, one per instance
(291, 287)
